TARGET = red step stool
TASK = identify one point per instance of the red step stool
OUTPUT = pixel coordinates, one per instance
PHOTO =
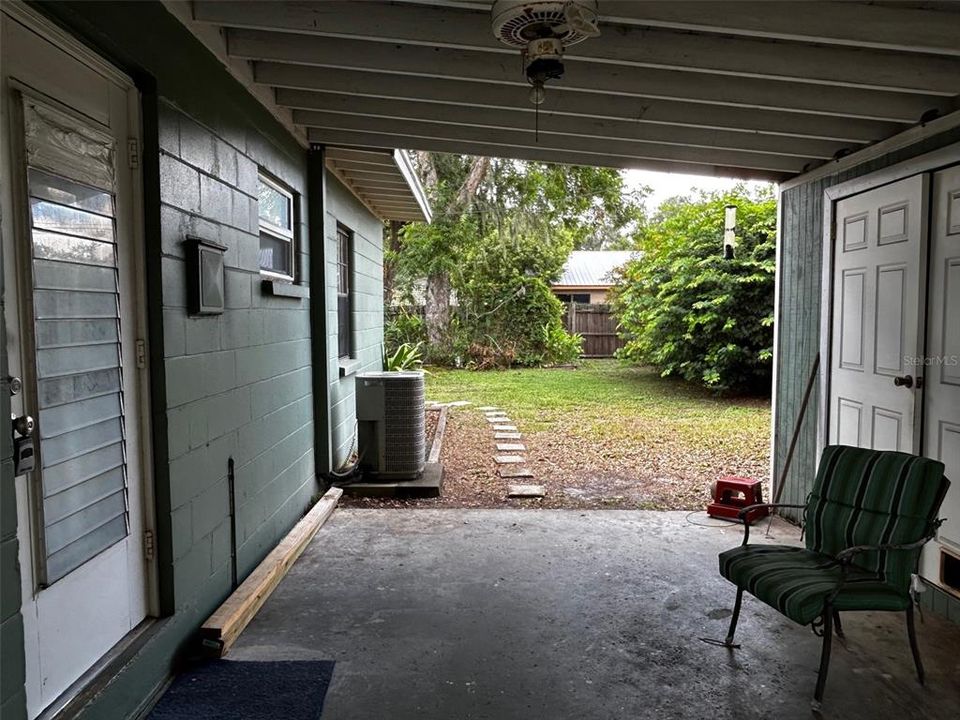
(731, 494)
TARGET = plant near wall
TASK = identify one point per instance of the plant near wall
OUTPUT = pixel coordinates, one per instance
(405, 358)
(686, 310)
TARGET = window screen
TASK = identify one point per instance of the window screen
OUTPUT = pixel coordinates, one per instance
(275, 209)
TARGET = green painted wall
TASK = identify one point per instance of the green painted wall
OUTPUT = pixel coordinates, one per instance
(801, 247)
(367, 284)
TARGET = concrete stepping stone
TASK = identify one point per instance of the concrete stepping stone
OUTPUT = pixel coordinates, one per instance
(504, 428)
(507, 459)
(488, 408)
(515, 472)
(511, 447)
(459, 403)
(507, 436)
(498, 419)
(526, 491)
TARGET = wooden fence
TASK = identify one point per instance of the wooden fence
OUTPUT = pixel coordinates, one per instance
(598, 327)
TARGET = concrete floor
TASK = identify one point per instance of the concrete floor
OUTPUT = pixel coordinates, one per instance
(526, 614)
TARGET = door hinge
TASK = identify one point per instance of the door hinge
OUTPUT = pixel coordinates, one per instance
(141, 354)
(148, 545)
(133, 153)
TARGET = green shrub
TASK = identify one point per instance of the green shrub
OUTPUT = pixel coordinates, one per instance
(406, 357)
(405, 327)
(686, 310)
(560, 347)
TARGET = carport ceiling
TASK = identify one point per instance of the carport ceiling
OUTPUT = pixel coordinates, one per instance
(744, 89)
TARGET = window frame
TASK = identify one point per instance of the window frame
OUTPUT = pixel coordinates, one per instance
(345, 239)
(278, 233)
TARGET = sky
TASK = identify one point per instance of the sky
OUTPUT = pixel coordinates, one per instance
(667, 185)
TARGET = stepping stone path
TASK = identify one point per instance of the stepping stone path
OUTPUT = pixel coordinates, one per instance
(512, 466)
(526, 491)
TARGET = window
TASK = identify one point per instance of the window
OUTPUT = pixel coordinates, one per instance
(579, 298)
(275, 209)
(344, 282)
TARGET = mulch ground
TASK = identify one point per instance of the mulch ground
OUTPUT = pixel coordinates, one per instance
(661, 473)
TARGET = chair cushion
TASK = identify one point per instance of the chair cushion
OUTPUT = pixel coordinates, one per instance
(873, 497)
(797, 581)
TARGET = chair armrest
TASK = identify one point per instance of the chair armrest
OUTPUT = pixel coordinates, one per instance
(845, 556)
(743, 514)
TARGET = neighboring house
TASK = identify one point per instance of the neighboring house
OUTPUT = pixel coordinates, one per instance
(174, 449)
(588, 275)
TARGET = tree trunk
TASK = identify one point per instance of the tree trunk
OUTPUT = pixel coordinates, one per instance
(437, 311)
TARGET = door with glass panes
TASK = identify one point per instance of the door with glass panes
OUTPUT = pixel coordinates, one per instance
(70, 288)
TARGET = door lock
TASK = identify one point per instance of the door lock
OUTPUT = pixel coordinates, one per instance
(24, 450)
(903, 381)
(16, 385)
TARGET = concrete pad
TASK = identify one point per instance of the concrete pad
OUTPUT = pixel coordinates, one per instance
(526, 491)
(505, 428)
(498, 419)
(508, 459)
(428, 485)
(593, 614)
(510, 472)
(507, 436)
(515, 447)
(459, 403)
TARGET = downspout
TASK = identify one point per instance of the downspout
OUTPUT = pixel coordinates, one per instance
(316, 195)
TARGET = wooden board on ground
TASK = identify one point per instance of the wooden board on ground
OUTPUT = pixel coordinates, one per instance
(223, 628)
(434, 456)
(526, 491)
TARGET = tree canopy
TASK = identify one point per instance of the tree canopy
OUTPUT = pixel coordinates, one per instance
(687, 310)
(501, 233)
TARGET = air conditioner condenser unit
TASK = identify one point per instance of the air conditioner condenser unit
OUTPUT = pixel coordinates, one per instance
(391, 430)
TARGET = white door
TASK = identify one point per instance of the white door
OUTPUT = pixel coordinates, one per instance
(942, 367)
(69, 286)
(878, 289)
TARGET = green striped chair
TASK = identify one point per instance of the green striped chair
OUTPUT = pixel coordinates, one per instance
(868, 516)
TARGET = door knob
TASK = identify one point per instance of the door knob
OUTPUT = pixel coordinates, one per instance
(24, 425)
(903, 381)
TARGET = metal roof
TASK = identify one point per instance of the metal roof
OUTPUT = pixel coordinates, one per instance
(739, 88)
(592, 268)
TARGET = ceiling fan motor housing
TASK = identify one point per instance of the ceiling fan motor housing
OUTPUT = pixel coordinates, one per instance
(517, 22)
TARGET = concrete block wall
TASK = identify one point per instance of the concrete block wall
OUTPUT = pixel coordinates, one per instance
(367, 282)
(238, 385)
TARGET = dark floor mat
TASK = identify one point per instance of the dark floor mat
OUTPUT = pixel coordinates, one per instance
(228, 690)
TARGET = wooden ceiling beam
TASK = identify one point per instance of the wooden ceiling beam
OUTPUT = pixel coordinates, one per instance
(359, 139)
(468, 66)
(523, 118)
(640, 110)
(624, 45)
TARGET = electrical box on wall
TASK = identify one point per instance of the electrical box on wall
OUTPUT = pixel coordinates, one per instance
(205, 281)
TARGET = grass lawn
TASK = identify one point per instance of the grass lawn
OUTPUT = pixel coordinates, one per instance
(602, 435)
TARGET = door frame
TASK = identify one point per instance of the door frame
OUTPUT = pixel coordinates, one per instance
(139, 365)
(929, 162)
